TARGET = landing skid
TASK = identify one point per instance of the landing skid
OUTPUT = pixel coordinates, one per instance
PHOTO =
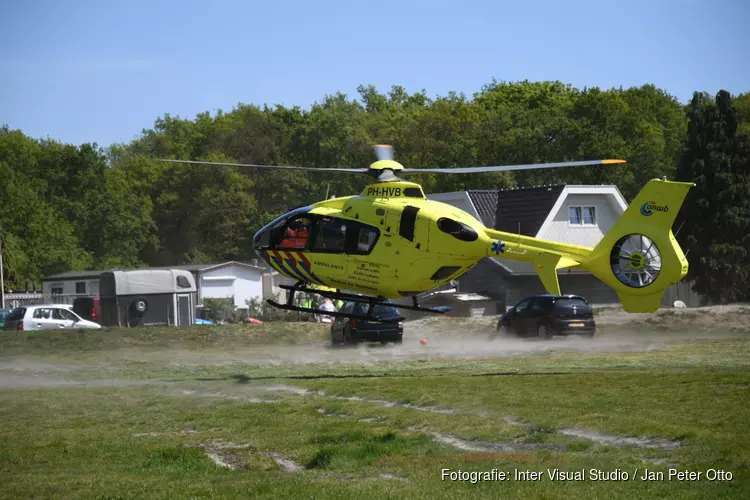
(372, 301)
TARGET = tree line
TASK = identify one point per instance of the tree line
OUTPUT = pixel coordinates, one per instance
(70, 207)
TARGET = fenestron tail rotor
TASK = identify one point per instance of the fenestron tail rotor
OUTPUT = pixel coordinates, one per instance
(636, 260)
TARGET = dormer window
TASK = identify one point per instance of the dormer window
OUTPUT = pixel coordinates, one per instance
(582, 216)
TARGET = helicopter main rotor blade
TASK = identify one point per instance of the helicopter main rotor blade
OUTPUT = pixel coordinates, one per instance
(344, 170)
(503, 168)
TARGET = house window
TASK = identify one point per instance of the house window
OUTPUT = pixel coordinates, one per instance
(582, 216)
(80, 287)
(57, 290)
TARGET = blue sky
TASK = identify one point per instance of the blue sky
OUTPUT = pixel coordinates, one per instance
(102, 71)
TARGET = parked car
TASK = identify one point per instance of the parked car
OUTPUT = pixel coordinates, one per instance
(88, 308)
(548, 315)
(3, 314)
(46, 317)
(352, 331)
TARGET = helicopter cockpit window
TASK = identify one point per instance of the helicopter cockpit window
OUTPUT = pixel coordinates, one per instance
(273, 233)
(331, 235)
(296, 233)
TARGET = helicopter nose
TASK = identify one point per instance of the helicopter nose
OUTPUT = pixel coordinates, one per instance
(262, 238)
(261, 241)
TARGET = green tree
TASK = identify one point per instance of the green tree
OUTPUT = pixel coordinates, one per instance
(37, 241)
(716, 215)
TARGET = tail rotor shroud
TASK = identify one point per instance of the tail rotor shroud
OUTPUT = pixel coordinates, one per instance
(636, 260)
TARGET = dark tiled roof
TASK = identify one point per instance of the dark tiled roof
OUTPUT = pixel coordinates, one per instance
(504, 209)
(485, 201)
(525, 208)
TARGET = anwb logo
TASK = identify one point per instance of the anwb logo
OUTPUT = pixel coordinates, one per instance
(650, 207)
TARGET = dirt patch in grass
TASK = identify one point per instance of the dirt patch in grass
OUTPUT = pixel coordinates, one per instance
(621, 441)
(521, 457)
(238, 456)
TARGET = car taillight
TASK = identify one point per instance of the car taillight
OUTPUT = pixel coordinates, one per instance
(19, 326)
(351, 322)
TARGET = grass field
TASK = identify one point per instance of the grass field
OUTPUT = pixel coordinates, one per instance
(272, 411)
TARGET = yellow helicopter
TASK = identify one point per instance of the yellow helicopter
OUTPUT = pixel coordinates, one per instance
(391, 242)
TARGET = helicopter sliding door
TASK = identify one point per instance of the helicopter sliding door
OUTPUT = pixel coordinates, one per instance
(411, 225)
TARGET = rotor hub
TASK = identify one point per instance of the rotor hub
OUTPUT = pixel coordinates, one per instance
(638, 260)
(382, 165)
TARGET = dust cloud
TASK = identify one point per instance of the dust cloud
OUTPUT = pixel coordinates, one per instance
(468, 342)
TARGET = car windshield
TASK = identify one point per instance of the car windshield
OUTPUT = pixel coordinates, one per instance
(566, 304)
(4, 313)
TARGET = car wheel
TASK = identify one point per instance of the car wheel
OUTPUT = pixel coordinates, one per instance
(543, 332)
(501, 330)
(349, 338)
(399, 340)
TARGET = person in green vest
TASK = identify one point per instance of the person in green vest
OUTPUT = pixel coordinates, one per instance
(339, 304)
(305, 302)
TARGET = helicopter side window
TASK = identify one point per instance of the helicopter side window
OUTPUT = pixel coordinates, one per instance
(366, 239)
(331, 235)
(360, 238)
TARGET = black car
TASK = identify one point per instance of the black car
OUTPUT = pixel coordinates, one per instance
(547, 315)
(352, 331)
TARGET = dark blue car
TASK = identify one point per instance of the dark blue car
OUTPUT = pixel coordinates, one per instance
(352, 331)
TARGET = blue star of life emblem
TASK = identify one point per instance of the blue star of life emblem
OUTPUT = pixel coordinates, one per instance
(498, 247)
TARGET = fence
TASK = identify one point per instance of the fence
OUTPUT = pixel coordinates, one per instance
(13, 300)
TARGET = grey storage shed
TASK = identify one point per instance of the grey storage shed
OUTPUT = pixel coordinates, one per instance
(147, 297)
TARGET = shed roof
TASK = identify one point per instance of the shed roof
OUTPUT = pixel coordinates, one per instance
(186, 267)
